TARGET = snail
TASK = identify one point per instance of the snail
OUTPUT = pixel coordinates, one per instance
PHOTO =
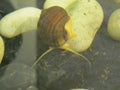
(55, 28)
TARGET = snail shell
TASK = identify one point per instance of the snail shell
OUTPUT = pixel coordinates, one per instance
(55, 26)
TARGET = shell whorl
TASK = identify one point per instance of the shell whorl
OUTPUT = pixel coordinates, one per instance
(51, 26)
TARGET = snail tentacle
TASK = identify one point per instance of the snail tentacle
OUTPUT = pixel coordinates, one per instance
(39, 58)
(66, 47)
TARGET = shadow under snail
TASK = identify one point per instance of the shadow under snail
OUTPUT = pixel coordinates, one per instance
(55, 28)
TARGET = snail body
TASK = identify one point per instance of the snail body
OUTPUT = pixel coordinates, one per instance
(55, 26)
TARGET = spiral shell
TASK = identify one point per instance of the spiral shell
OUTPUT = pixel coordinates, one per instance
(54, 26)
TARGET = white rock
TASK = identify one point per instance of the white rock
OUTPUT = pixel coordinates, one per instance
(19, 21)
(2, 48)
(117, 1)
(61, 3)
(113, 26)
(87, 17)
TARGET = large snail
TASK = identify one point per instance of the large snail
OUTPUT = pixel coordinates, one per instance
(55, 28)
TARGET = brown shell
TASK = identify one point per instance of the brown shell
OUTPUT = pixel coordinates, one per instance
(51, 26)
